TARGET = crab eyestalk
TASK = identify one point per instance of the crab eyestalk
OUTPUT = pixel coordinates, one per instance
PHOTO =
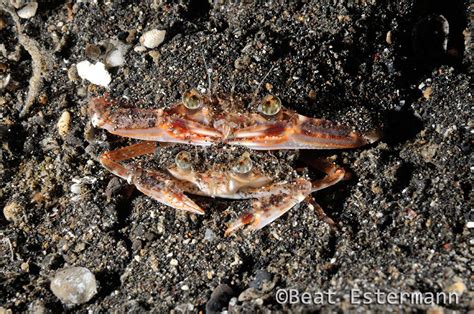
(243, 165)
(183, 160)
(270, 106)
(192, 99)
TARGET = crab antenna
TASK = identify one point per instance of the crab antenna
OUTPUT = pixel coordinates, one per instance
(260, 84)
(232, 88)
(208, 72)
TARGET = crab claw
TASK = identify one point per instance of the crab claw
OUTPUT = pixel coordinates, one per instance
(268, 208)
(128, 122)
(162, 189)
(156, 184)
(296, 131)
(150, 124)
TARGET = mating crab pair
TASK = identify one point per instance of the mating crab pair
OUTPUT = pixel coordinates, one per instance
(236, 126)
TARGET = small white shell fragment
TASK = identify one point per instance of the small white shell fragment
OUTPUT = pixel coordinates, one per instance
(76, 188)
(3, 50)
(388, 37)
(64, 124)
(153, 38)
(4, 81)
(174, 262)
(115, 55)
(12, 211)
(94, 73)
(28, 10)
(139, 49)
(75, 285)
(115, 58)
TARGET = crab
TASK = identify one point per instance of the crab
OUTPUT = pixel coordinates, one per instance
(246, 131)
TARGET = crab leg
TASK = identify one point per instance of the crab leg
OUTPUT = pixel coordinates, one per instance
(156, 184)
(163, 188)
(111, 160)
(149, 124)
(300, 132)
(275, 201)
(334, 174)
(268, 208)
(319, 211)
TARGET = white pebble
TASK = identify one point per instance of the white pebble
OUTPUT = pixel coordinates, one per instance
(94, 73)
(75, 285)
(3, 50)
(76, 188)
(12, 211)
(174, 262)
(115, 58)
(388, 37)
(4, 81)
(64, 123)
(185, 288)
(139, 49)
(28, 10)
(153, 38)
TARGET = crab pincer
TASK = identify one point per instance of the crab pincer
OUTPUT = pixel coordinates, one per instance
(279, 128)
(273, 201)
(156, 184)
(174, 125)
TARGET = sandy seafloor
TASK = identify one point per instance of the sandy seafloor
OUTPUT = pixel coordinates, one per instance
(369, 64)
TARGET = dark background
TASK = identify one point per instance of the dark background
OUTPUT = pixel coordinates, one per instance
(401, 216)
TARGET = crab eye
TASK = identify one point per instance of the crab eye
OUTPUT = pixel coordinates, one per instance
(192, 99)
(271, 105)
(183, 160)
(243, 164)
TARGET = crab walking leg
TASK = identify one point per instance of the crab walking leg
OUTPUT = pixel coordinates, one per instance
(334, 174)
(111, 159)
(158, 185)
(319, 211)
(267, 209)
(301, 132)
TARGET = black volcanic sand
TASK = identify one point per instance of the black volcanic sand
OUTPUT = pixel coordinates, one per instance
(401, 217)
